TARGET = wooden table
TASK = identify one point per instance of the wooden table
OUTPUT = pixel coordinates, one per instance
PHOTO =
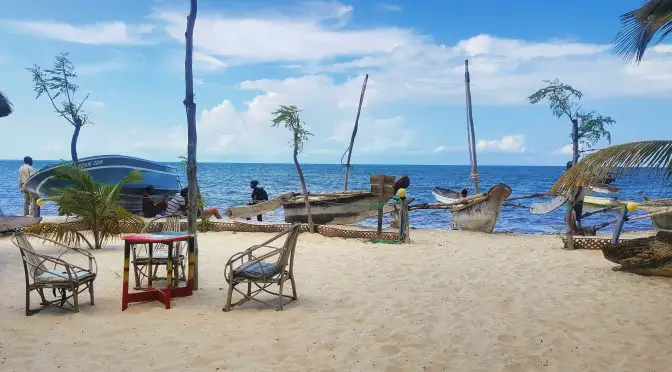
(158, 294)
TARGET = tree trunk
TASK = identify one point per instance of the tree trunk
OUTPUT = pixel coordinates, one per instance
(190, 107)
(305, 192)
(73, 143)
(569, 221)
(575, 141)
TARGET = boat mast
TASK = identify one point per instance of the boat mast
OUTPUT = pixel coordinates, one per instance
(470, 129)
(354, 132)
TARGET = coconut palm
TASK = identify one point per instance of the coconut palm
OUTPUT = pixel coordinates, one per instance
(638, 28)
(288, 116)
(96, 204)
(619, 160)
(5, 106)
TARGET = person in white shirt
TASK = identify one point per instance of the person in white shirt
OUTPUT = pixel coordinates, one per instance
(178, 203)
(27, 170)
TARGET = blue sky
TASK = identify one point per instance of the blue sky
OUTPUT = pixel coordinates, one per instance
(251, 56)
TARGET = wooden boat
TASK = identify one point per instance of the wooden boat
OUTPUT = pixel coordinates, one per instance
(335, 208)
(478, 212)
(112, 169)
(12, 223)
(481, 215)
(662, 221)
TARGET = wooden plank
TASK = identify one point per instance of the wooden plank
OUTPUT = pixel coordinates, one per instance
(245, 211)
(382, 185)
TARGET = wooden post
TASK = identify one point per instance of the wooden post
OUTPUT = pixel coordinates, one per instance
(404, 229)
(568, 220)
(619, 226)
(380, 219)
(354, 132)
(190, 107)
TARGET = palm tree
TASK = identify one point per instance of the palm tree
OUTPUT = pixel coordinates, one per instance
(5, 106)
(289, 117)
(638, 28)
(96, 205)
(619, 160)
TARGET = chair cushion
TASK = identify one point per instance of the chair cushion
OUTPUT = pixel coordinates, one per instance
(54, 276)
(256, 270)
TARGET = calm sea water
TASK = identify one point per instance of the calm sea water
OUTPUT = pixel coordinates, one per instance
(227, 184)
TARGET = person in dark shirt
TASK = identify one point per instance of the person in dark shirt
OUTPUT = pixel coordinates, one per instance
(150, 207)
(258, 195)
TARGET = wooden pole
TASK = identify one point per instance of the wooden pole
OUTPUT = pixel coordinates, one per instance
(380, 220)
(354, 132)
(619, 226)
(470, 123)
(190, 107)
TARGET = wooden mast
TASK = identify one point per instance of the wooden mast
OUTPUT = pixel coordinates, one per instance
(470, 129)
(354, 132)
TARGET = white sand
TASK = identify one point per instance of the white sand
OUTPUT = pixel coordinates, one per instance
(449, 301)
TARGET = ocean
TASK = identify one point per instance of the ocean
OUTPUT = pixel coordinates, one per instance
(226, 184)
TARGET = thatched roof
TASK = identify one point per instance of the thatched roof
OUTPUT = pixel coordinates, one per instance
(617, 161)
(5, 106)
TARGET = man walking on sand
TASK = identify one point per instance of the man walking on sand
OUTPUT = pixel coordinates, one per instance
(27, 170)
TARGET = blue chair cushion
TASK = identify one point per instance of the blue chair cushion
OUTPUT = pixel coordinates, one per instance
(54, 276)
(256, 270)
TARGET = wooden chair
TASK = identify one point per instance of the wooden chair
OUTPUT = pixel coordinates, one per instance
(255, 267)
(140, 253)
(67, 279)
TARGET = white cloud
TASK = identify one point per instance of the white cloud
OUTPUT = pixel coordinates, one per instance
(100, 67)
(564, 150)
(208, 62)
(513, 143)
(386, 7)
(440, 149)
(95, 104)
(305, 37)
(118, 33)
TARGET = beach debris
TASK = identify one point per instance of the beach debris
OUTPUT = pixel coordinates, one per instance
(643, 256)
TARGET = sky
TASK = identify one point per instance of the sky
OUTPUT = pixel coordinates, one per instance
(252, 56)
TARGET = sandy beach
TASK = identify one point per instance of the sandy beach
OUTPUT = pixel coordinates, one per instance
(448, 301)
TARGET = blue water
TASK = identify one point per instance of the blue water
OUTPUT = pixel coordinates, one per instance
(227, 184)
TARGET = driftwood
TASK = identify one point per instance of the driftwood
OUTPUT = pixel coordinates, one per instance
(245, 211)
(11, 223)
(644, 256)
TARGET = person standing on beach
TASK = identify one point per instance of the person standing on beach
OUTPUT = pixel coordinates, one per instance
(258, 195)
(29, 202)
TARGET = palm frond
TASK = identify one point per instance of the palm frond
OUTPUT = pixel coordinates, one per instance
(638, 28)
(618, 161)
(5, 106)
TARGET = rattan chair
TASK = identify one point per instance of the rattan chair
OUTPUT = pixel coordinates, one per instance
(140, 253)
(263, 266)
(65, 279)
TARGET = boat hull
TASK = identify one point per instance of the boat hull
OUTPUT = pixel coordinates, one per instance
(662, 221)
(445, 196)
(342, 208)
(483, 215)
(112, 169)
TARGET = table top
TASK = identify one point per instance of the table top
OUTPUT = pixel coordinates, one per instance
(158, 237)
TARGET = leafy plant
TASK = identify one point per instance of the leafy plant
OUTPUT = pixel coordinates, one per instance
(59, 81)
(627, 158)
(639, 26)
(96, 204)
(588, 128)
(288, 116)
(5, 106)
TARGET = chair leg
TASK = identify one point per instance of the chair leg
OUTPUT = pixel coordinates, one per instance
(91, 293)
(227, 307)
(282, 282)
(291, 279)
(28, 302)
(136, 272)
(75, 299)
